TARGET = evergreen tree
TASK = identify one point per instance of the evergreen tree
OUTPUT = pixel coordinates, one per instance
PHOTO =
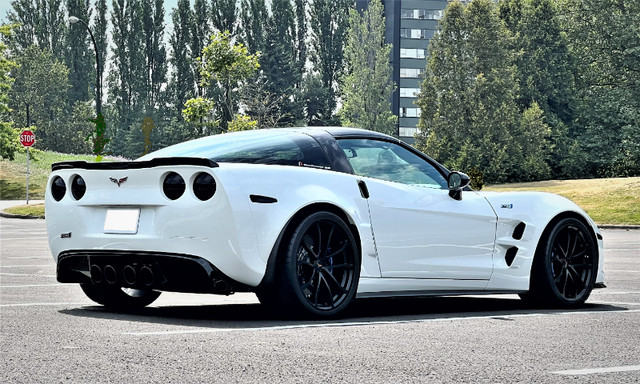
(182, 83)
(100, 34)
(155, 53)
(80, 57)
(329, 20)
(224, 14)
(127, 80)
(42, 22)
(200, 33)
(367, 85)
(545, 67)
(281, 72)
(604, 38)
(253, 18)
(468, 97)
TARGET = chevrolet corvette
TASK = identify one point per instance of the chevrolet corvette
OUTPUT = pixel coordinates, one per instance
(309, 219)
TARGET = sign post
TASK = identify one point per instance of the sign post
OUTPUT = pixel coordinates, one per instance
(27, 139)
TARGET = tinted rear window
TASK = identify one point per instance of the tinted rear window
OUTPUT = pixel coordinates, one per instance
(253, 147)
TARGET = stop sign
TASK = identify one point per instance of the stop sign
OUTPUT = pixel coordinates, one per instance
(27, 138)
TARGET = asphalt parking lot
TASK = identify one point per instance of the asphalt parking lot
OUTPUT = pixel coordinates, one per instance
(51, 333)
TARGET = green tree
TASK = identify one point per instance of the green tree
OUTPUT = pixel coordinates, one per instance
(281, 69)
(199, 112)
(253, 18)
(200, 33)
(155, 54)
(604, 37)
(468, 96)
(224, 14)
(367, 85)
(42, 22)
(228, 65)
(127, 79)
(182, 82)
(100, 33)
(80, 56)
(329, 20)
(545, 71)
(38, 95)
(8, 135)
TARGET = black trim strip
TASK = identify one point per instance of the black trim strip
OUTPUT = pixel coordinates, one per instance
(157, 162)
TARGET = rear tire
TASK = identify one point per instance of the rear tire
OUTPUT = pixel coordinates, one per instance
(565, 266)
(319, 270)
(119, 298)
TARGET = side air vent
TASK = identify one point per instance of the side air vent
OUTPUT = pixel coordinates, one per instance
(511, 254)
(519, 231)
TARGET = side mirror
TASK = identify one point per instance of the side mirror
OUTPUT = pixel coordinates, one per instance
(457, 181)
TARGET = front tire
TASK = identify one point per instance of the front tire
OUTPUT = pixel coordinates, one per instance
(565, 265)
(318, 273)
(119, 298)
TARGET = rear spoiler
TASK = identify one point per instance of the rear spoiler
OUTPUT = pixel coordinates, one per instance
(157, 162)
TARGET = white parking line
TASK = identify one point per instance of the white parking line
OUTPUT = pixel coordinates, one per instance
(40, 304)
(363, 323)
(33, 285)
(24, 274)
(591, 371)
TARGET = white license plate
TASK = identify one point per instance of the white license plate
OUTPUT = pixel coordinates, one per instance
(122, 221)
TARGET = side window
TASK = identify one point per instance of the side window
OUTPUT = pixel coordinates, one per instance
(390, 162)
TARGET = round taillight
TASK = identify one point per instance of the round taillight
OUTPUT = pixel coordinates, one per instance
(204, 186)
(58, 188)
(78, 187)
(173, 186)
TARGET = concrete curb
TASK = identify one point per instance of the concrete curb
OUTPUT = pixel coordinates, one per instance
(619, 226)
(12, 216)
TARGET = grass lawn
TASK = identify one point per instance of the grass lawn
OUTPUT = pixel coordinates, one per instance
(13, 174)
(607, 201)
(32, 210)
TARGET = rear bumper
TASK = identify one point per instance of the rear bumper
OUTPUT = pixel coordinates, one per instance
(145, 270)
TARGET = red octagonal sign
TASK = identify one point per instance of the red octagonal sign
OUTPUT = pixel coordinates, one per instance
(27, 138)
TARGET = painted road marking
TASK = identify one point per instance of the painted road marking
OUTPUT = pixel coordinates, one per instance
(39, 304)
(365, 323)
(24, 274)
(33, 285)
(591, 371)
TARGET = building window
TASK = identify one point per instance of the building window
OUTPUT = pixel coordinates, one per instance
(422, 14)
(410, 53)
(410, 72)
(407, 33)
(409, 92)
(409, 112)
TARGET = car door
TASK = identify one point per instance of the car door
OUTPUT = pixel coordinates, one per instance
(419, 230)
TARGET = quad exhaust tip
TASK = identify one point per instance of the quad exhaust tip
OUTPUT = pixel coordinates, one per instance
(130, 275)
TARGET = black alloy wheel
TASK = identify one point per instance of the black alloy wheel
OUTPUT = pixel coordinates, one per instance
(565, 265)
(321, 268)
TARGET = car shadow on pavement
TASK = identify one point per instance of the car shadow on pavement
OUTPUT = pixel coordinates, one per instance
(360, 312)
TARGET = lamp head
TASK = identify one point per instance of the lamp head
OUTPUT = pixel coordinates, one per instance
(73, 19)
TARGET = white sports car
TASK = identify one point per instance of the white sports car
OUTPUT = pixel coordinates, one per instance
(309, 219)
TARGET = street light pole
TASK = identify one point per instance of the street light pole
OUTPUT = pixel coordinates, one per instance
(73, 20)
